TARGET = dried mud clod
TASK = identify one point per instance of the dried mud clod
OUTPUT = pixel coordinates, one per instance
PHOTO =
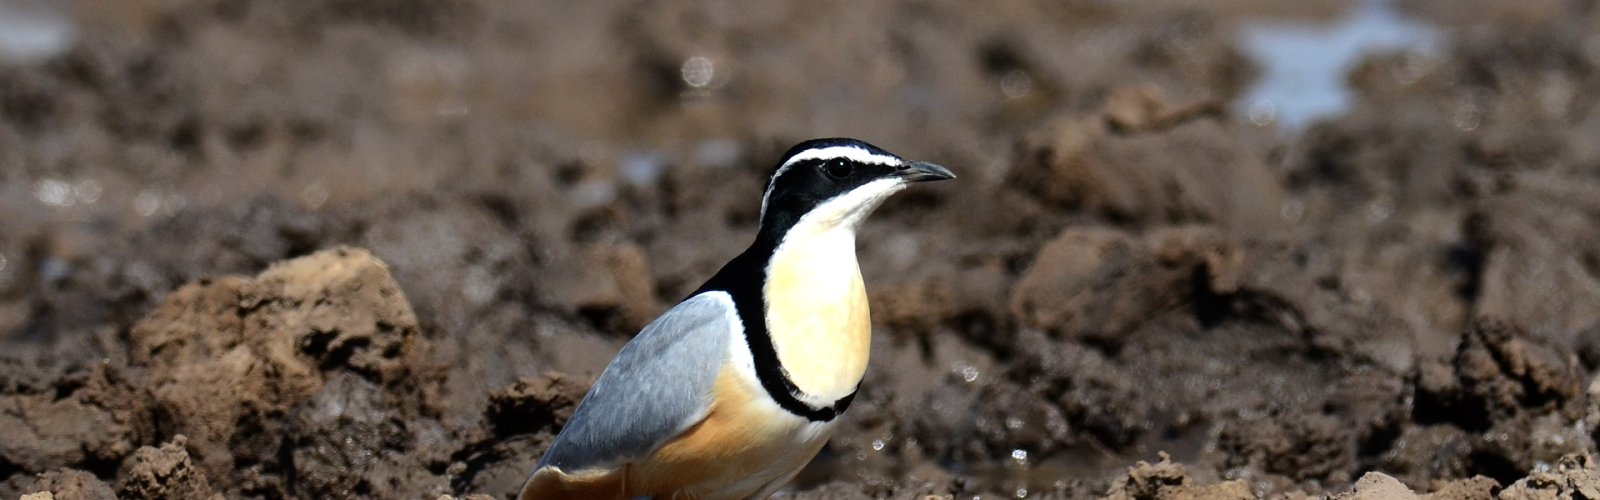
(1499, 372)
(333, 309)
(1516, 400)
(1377, 486)
(519, 422)
(164, 472)
(69, 484)
(86, 418)
(1165, 480)
(1573, 476)
(1084, 164)
(1099, 284)
(535, 403)
(305, 355)
(1300, 446)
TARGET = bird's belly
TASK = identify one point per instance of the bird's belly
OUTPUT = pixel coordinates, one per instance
(746, 446)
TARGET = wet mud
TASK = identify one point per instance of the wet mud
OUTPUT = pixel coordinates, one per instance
(380, 250)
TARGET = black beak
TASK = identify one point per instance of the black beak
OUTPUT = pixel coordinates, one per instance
(921, 171)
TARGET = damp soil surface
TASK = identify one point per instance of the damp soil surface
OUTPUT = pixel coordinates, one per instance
(365, 249)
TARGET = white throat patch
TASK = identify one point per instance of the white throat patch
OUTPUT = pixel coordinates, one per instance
(846, 211)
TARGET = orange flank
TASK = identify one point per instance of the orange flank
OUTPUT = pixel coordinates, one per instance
(744, 447)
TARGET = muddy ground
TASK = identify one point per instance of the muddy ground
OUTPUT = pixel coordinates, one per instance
(379, 249)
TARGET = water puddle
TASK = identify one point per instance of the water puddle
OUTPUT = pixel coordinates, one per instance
(1304, 63)
(34, 30)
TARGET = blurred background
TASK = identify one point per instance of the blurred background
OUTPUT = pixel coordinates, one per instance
(1286, 243)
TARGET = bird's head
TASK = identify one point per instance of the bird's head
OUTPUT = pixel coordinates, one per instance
(835, 183)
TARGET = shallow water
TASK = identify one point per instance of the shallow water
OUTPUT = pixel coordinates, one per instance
(34, 30)
(1304, 64)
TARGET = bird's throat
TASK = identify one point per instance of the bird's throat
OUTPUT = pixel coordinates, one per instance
(816, 311)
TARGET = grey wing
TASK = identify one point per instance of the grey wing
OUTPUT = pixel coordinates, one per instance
(658, 386)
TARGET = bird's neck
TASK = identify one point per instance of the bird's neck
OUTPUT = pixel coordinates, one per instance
(799, 294)
(816, 310)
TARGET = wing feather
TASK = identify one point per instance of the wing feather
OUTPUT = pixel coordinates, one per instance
(658, 386)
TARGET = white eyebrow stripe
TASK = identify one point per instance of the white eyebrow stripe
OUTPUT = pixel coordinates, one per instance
(854, 153)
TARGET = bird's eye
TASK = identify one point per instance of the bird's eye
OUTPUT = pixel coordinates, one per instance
(838, 169)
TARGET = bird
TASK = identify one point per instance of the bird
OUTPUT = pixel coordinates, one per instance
(731, 392)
